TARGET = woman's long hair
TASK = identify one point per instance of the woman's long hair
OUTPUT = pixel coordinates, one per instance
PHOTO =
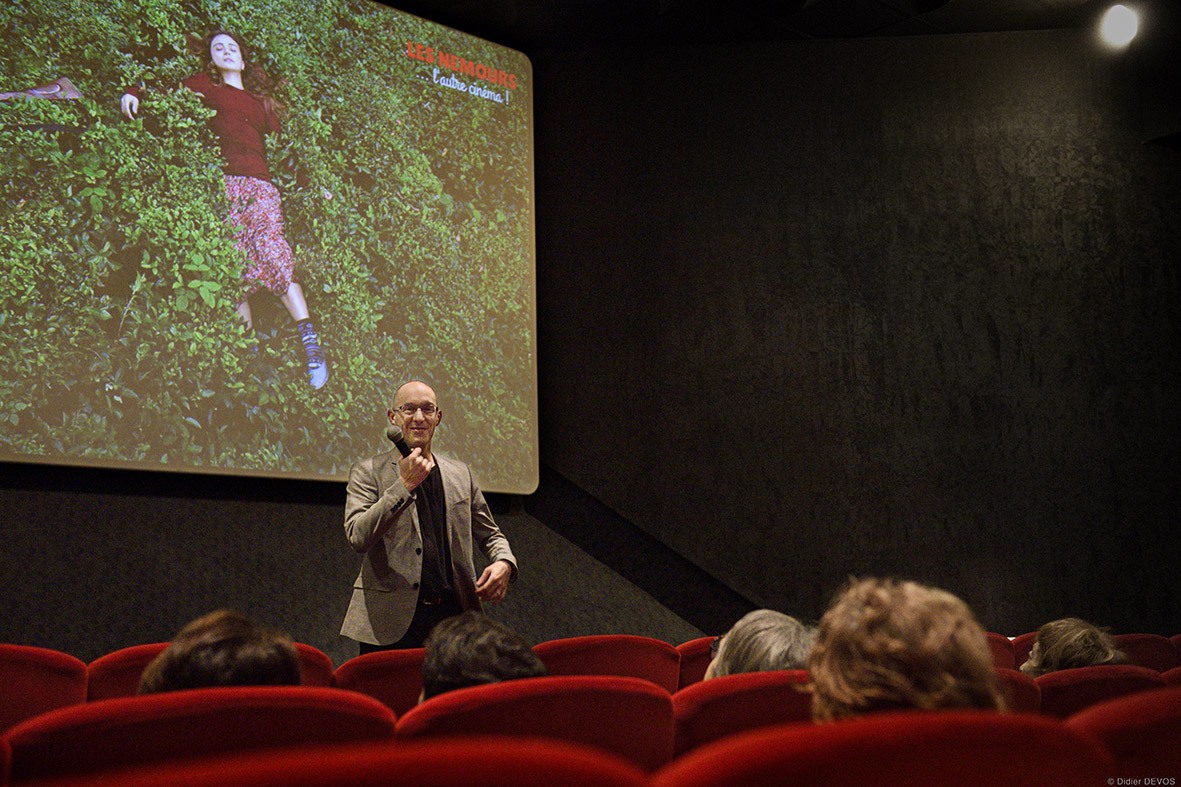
(256, 81)
(1070, 643)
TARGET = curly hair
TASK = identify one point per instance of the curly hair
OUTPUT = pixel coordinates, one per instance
(1069, 643)
(256, 81)
(763, 640)
(471, 650)
(223, 648)
(885, 644)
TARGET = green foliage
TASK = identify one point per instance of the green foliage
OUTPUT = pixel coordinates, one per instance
(408, 207)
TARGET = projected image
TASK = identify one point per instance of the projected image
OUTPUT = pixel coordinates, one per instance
(230, 229)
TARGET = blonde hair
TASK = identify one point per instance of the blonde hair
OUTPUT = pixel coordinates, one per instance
(1069, 643)
(886, 644)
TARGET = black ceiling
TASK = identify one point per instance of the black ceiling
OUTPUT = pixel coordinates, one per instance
(535, 26)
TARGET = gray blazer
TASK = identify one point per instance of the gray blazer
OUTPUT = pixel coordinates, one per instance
(381, 522)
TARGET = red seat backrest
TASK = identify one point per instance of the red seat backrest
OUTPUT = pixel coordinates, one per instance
(1173, 676)
(627, 716)
(117, 673)
(315, 666)
(522, 762)
(712, 709)
(1142, 731)
(695, 657)
(625, 655)
(962, 748)
(392, 676)
(200, 722)
(1022, 645)
(1002, 650)
(1021, 691)
(35, 680)
(1068, 691)
(1149, 650)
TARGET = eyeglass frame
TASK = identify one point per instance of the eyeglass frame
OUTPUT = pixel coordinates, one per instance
(414, 408)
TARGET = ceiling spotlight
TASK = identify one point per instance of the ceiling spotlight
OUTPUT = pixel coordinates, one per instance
(1119, 25)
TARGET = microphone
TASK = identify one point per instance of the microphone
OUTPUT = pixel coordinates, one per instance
(394, 435)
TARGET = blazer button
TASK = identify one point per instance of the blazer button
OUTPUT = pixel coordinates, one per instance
(415, 586)
(418, 551)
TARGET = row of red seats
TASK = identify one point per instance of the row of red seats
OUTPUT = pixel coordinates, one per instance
(39, 679)
(1152, 651)
(627, 721)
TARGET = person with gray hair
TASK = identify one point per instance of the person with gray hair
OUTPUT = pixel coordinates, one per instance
(762, 640)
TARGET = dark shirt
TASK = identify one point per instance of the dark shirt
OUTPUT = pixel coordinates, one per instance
(436, 547)
(240, 125)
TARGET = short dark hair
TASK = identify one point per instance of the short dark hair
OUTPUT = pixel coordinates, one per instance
(471, 649)
(223, 648)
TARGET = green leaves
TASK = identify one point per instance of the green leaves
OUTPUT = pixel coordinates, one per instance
(408, 211)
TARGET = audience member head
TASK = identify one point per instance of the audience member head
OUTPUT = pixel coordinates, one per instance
(223, 648)
(471, 649)
(887, 645)
(762, 640)
(1070, 643)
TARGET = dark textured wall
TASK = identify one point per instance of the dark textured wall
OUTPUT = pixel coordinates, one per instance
(98, 560)
(901, 306)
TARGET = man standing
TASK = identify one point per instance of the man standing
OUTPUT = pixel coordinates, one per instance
(415, 520)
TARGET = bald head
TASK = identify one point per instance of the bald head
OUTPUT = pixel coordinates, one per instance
(413, 388)
(416, 412)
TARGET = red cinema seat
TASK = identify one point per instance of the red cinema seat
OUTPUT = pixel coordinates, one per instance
(629, 717)
(392, 676)
(315, 666)
(1068, 691)
(117, 673)
(929, 748)
(35, 680)
(696, 655)
(722, 706)
(1141, 731)
(1022, 645)
(1173, 676)
(1002, 650)
(1149, 650)
(624, 655)
(521, 762)
(1022, 694)
(154, 728)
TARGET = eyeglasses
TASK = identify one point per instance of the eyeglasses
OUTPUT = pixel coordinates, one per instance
(409, 410)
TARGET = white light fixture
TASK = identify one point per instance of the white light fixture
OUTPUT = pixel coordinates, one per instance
(1119, 26)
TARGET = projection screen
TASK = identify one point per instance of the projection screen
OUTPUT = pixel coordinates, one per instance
(147, 307)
